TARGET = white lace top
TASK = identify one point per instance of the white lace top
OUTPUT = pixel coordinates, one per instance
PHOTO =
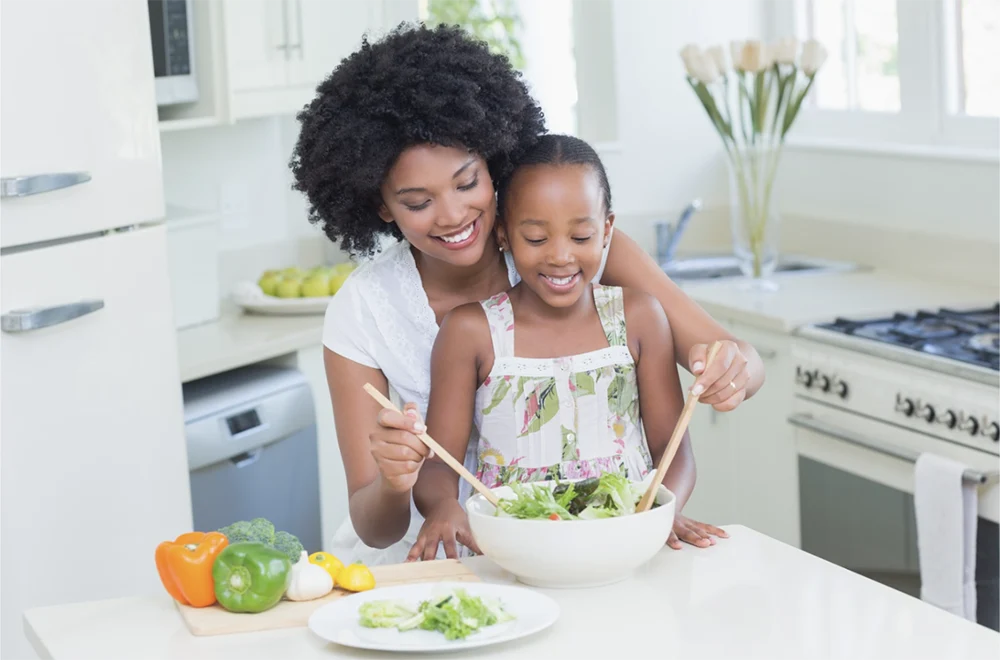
(381, 318)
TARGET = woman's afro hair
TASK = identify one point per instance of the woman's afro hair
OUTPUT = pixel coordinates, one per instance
(417, 85)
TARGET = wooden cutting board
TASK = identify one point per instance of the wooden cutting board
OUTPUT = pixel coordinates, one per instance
(216, 620)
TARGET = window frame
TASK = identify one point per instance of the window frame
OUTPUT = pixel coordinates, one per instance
(926, 124)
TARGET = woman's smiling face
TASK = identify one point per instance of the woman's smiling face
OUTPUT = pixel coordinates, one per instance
(443, 202)
(556, 227)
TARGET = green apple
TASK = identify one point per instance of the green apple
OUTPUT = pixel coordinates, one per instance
(316, 286)
(337, 281)
(293, 272)
(290, 287)
(269, 284)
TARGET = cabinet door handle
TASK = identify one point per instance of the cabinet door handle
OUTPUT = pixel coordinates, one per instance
(298, 29)
(284, 28)
(23, 186)
(23, 320)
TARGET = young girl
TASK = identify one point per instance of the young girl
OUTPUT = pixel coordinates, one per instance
(558, 377)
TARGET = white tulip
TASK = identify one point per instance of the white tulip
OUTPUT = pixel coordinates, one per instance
(767, 54)
(754, 56)
(736, 52)
(718, 56)
(707, 71)
(786, 50)
(691, 55)
(813, 57)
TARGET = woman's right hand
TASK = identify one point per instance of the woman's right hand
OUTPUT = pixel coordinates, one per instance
(397, 450)
(447, 524)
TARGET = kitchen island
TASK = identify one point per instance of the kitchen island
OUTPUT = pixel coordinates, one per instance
(749, 596)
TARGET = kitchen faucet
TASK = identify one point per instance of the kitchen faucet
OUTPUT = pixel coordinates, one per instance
(668, 236)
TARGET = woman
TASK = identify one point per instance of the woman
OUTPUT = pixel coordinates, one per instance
(407, 139)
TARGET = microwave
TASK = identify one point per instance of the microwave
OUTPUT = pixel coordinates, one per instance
(171, 28)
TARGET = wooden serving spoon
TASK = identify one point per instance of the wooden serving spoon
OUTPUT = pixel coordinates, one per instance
(440, 451)
(675, 440)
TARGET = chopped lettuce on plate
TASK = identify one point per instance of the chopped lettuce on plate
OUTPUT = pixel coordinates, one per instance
(456, 615)
(607, 496)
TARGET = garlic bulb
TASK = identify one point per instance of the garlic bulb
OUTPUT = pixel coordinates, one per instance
(308, 580)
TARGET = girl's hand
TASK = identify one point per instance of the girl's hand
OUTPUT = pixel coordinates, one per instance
(397, 451)
(723, 384)
(696, 533)
(448, 523)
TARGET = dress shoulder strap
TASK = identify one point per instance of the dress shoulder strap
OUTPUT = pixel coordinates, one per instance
(500, 316)
(610, 303)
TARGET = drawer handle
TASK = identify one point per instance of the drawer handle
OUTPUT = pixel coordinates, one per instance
(23, 320)
(247, 458)
(23, 186)
(808, 422)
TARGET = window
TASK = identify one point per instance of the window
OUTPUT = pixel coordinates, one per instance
(574, 86)
(907, 75)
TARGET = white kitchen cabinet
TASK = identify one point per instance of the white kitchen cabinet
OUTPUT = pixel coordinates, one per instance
(332, 480)
(79, 121)
(278, 51)
(746, 458)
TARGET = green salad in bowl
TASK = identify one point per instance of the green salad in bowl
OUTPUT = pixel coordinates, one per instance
(573, 533)
(607, 496)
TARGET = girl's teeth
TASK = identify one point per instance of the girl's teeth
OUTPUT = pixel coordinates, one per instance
(561, 281)
(458, 238)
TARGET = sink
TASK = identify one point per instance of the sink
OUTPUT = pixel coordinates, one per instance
(724, 266)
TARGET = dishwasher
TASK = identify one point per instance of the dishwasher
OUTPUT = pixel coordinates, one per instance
(251, 442)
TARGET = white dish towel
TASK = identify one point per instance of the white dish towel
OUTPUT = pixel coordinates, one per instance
(946, 513)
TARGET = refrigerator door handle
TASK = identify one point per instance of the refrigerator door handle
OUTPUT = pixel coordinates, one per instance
(22, 186)
(23, 320)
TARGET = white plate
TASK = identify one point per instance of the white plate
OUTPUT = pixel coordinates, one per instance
(338, 622)
(249, 296)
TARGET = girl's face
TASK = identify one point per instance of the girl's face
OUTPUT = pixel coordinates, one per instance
(442, 200)
(556, 228)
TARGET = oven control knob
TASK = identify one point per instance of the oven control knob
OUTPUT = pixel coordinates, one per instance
(992, 432)
(804, 378)
(926, 413)
(905, 406)
(841, 389)
(823, 382)
(948, 418)
(969, 425)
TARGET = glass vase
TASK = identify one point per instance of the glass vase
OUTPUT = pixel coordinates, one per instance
(754, 218)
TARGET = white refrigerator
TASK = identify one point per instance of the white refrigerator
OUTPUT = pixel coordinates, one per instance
(93, 465)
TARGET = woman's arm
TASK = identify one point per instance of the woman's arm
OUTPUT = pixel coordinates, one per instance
(455, 363)
(380, 453)
(660, 397)
(692, 328)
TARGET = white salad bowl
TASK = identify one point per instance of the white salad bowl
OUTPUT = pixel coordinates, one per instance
(570, 553)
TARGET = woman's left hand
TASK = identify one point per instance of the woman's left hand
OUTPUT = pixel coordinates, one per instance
(724, 384)
(696, 533)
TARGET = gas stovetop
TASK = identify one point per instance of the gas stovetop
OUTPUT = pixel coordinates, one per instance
(946, 339)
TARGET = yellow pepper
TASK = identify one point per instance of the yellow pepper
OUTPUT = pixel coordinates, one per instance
(355, 577)
(327, 562)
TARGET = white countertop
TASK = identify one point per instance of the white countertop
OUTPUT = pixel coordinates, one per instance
(817, 297)
(747, 597)
(238, 339)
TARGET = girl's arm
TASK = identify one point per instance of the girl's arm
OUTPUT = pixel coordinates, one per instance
(692, 328)
(660, 396)
(461, 344)
(380, 453)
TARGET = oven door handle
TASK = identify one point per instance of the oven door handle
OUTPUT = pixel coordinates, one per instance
(809, 422)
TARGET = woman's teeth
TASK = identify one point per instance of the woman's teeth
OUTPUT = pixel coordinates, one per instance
(458, 238)
(560, 281)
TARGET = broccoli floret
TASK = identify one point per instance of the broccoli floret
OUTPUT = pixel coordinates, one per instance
(258, 530)
(288, 544)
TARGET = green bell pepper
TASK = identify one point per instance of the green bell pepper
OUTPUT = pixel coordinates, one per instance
(250, 577)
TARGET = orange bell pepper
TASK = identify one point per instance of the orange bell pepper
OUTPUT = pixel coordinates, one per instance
(185, 566)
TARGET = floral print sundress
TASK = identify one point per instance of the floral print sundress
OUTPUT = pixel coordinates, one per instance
(560, 418)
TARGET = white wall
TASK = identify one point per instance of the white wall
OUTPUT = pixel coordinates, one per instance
(241, 170)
